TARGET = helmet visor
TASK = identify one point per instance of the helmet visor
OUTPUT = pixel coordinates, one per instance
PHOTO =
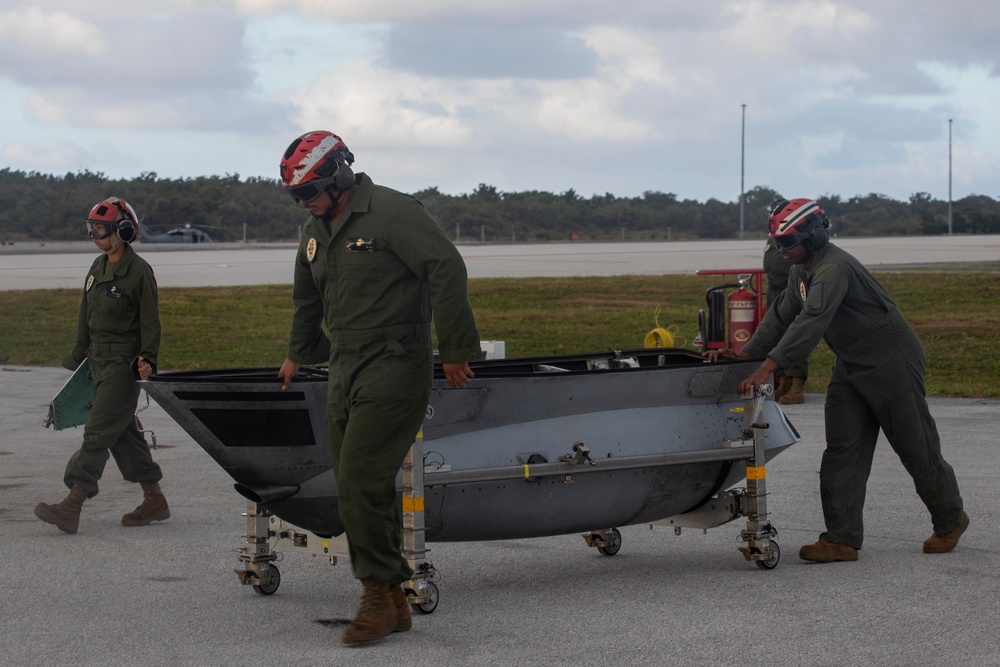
(310, 190)
(100, 230)
(789, 241)
(305, 192)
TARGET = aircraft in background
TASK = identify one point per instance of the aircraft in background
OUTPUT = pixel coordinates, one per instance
(185, 234)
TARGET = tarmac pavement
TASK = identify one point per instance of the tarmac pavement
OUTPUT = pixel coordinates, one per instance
(64, 265)
(167, 595)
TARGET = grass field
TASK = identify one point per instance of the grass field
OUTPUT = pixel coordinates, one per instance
(955, 314)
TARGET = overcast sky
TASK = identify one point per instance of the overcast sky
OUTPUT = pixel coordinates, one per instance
(623, 97)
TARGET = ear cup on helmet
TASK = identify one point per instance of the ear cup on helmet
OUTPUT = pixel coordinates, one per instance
(127, 231)
(344, 179)
(818, 237)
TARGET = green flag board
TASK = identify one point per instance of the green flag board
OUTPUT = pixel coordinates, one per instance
(71, 406)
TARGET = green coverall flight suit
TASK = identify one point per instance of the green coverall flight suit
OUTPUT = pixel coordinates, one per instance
(777, 268)
(877, 383)
(119, 320)
(373, 276)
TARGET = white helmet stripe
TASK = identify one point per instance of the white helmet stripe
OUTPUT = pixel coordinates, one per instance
(312, 158)
(135, 218)
(797, 216)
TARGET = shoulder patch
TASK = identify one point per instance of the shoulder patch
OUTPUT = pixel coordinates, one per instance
(311, 249)
(802, 289)
(90, 282)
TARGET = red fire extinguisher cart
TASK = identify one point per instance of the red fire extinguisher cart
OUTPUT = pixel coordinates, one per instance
(742, 310)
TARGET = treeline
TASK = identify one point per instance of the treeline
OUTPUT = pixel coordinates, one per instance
(36, 206)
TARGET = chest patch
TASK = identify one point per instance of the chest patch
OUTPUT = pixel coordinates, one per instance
(311, 249)
(361, 245)
(90, 282)
(802, 289)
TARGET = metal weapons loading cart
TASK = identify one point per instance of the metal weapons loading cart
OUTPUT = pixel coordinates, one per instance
(532, 447)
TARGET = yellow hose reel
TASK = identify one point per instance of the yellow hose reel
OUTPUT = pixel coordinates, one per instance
(663, 336)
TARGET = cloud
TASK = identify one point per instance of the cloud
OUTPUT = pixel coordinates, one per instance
(221, 112)
(127, 56)
(841, 95)
(154, 72)
(485, 52)
(46, 156)
(30, 31)
(381, 107)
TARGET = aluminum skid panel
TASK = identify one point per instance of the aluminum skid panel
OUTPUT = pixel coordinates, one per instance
(533, 447)
(268, 536)
(759, 536)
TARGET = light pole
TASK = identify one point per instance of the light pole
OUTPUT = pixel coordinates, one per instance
(743, 135)
(949, 176)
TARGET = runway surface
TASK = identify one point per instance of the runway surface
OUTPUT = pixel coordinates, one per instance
(167, 595)
(26, 266)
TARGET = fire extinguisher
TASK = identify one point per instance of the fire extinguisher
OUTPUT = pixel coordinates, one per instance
(742, 315)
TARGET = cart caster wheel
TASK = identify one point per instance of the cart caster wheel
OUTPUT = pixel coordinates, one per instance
(771, 561)
(613, 544)
(269, 582)
(431, 589)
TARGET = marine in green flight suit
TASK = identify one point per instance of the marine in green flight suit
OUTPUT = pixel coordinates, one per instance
(118, 323)
(118, 330)
(877, 382)
(372, 269)
(777, 268)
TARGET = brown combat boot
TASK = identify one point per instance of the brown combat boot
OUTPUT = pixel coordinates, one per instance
(781, 385)
(65, 515)
(794, 395)
(403, 619)
(828, 552)
(153, 507)
(376, 617)
(938, 544)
